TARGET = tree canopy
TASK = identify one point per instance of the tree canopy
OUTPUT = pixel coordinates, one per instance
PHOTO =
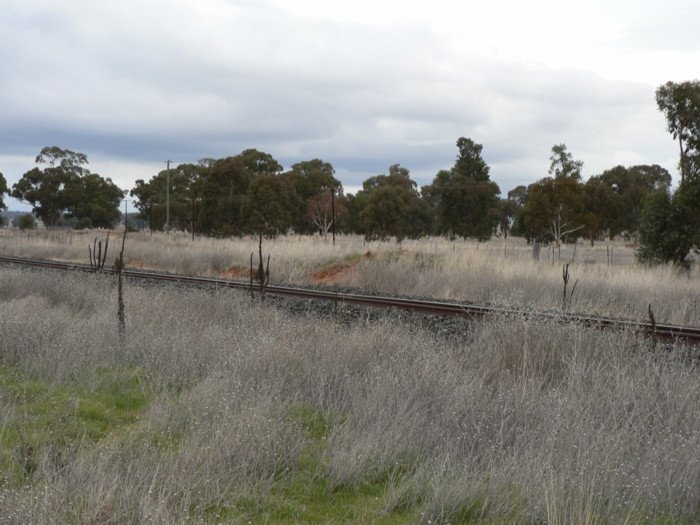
(151, 196)
(465, 201)
(3, 191)
(670, 226)
(66, 187)
(620, 194)
(310, 183)
(609, 204)
(67, 159)
(563, 164)
(680, 104)
(662, 236)
(390, 205)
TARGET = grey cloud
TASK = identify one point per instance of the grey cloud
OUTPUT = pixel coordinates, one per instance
(197, 83)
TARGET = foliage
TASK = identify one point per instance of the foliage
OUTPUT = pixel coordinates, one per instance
(607, 204)
(67, 159)
(43, 189)
(223, 190)
(663, 236)
(223, 194)
(554, 206)
(308, 181)
(465, 200)
(3, 190)
(469, 162)
(83, 223)
(600, 209)
(518, 197)
(390, 206)
(25, 222)
(619, 207)
(267, 205)
(313, 176)
(257, 162)
(680, 104)
(66, 187)
(563, 164)
(355, 204)
(688, 203)
(670, 225)
(319, 212)
(507, 209)
(184, 189)
(94, 198)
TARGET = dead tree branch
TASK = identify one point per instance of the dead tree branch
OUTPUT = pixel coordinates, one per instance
(97, 257)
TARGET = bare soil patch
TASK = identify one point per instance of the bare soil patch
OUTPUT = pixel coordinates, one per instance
(335, 272)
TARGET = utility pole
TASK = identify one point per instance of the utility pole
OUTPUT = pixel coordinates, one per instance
(167, 197)
(333, 212)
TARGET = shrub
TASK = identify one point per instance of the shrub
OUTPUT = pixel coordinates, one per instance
(669, 226)
(25, 222)
(83, 223)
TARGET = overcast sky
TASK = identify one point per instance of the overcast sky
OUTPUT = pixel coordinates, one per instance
(361, 84)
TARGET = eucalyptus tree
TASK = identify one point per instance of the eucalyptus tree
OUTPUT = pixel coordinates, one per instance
(670, 225)
(179, 187)
(390, 205)
(554, 205)
(680, 104)
(64, 186)
(464, 198)
(313, 187)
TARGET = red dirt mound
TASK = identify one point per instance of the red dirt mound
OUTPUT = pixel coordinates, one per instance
(336, 272)
(333, 274)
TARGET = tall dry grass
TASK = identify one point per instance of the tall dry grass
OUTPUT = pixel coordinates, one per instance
(491, 273)
(518, 422)
(500, 271)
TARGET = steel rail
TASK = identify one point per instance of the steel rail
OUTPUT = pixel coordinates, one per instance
(663, 332)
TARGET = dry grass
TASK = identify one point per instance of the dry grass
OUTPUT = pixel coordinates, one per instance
(502, 273)
(499, 272)
(251, 415)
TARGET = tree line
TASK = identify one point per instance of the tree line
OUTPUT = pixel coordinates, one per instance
(251, 193)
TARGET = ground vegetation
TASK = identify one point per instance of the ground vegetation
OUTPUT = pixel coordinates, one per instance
(231, 411)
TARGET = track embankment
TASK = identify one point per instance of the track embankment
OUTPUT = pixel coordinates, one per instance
(658, 331)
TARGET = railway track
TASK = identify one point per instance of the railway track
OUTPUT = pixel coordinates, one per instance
(662, 332)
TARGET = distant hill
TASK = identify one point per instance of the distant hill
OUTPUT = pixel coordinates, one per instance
(9, 216)
(12, 214)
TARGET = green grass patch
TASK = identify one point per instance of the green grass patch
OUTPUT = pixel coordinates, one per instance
(307, 495)
(336, 262)
(38, 417)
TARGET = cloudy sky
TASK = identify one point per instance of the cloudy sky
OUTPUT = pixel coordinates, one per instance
(362, 84)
